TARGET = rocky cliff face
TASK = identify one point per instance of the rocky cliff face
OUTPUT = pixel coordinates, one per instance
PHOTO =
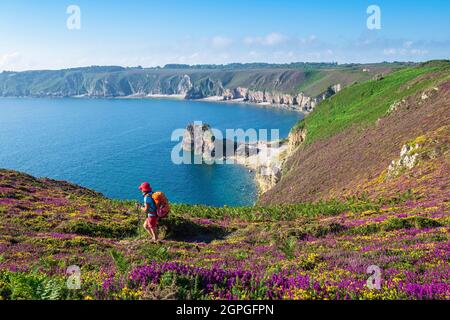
(299, 101)
(274, 87)
(205, 88)
(296, 138)
(269, 169)
(340, 163)
(210, 88)
(236, 93)
(199, 140)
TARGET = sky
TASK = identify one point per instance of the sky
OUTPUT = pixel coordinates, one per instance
(41, 34)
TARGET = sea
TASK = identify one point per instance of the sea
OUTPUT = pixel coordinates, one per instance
(112, 145)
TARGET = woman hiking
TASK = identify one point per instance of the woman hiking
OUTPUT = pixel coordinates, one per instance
(151, 223)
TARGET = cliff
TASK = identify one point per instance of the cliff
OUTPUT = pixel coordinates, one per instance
(355, 136)
(199, 141)
(299, 86)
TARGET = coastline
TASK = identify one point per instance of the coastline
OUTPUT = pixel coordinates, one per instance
(154, 96)
(221, 100)
(211, 99)
(175, 97)
(266, 163)
(181, 97)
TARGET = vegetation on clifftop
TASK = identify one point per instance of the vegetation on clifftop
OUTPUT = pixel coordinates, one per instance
(364, 103)
(193, 81)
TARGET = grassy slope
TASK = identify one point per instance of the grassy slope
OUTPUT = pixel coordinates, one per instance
(316, 80)
(352, 137)
(302, 251)
(365, 103)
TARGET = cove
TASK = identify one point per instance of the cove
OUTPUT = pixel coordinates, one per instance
(112, 145)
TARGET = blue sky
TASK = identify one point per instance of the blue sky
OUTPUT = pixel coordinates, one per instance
(34, 35)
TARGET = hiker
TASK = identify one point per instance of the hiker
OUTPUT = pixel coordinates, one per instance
(151, 223)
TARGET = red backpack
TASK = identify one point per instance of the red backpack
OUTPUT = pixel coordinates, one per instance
(162, 204)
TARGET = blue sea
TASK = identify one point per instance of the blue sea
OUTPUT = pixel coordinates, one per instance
(112, 145)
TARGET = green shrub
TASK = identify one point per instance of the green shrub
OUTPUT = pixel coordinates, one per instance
(179, 228)
(99, 229)
(423, 223)
(289, 247)
(31, 286)
(52, 289)
(121, 263)
(156, 252)
(396, 224)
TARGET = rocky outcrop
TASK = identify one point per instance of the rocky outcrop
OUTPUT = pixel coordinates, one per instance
(408, 159)
(267, 177)
(430, 146)
(269, 172)
(299, 102)
(265, 159)
(296, 138)
(256, 97)
(185, 85)
(205, 88)
(199, 140)
(234, 94)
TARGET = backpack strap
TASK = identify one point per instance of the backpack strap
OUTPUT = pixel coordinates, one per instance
(153, 201)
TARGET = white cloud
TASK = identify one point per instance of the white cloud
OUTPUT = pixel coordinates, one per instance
(219, 42)
(274, 38)
(389, 51)
(310, 39)
(405, 51)
(408, 44)
(271, 39)
(418, 52)
(10, 61)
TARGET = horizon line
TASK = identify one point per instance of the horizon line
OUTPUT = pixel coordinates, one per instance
(218, 65)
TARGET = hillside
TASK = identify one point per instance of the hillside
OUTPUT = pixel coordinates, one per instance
(258, 83)
(352, 138)
(367, 185)
(302, 251)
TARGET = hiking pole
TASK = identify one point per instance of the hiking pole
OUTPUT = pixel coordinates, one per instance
(137, 207)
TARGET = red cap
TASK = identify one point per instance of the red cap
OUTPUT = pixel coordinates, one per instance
(145, 187)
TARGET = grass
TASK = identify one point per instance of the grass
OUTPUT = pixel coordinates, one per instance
(311, 76)
(393, 224)
(317, 250)
(302, 251)
(289, 212)
(365, 103)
